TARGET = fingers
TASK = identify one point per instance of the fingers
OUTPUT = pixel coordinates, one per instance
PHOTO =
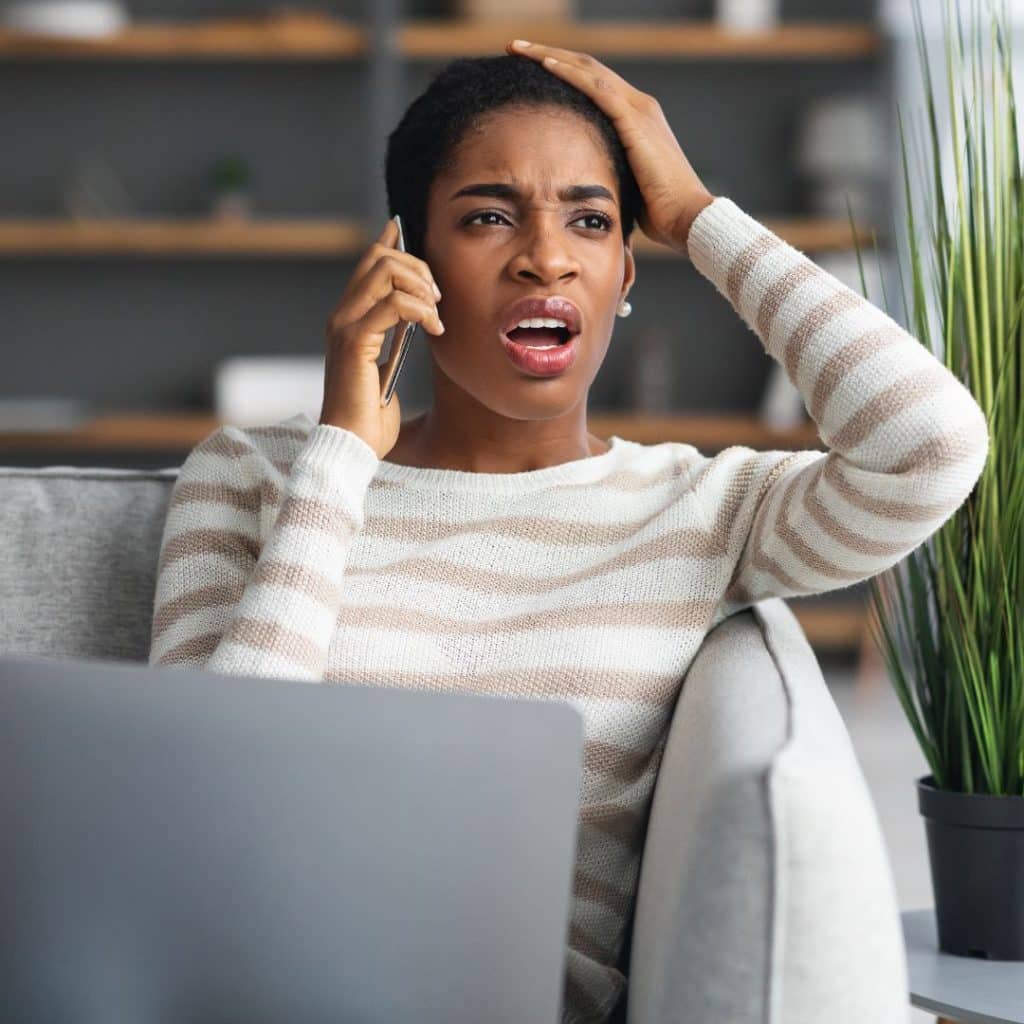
(574, 57)
(396, 306)
(582, 70)
(387, 275)
(384, 247)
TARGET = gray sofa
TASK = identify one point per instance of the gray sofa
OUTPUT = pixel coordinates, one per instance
(765, 891)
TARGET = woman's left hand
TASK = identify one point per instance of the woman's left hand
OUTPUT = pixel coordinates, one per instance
(673, 194)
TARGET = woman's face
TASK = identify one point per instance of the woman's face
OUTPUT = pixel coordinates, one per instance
(487, 251)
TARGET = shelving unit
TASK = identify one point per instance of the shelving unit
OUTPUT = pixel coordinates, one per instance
(384, 45)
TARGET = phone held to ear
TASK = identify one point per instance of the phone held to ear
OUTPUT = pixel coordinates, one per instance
(403, 331)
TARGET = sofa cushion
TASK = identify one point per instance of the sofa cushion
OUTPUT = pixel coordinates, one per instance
(765, 893)
(78, 558)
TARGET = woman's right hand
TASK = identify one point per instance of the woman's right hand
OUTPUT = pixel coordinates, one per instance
(386, 286)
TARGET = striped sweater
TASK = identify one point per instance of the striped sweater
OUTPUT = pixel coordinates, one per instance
(291, 550)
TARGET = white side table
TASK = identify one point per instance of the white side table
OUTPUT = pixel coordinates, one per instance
(960, 988)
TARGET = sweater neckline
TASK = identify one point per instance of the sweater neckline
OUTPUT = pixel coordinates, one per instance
(585, 470)
(577, 471)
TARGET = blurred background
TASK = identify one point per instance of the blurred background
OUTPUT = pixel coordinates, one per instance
(187, 184)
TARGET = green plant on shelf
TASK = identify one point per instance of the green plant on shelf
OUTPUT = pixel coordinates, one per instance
(231, 174)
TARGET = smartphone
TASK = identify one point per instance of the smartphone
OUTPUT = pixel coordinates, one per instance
(403, 331)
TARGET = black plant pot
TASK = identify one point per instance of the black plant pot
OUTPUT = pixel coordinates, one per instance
(976, 851)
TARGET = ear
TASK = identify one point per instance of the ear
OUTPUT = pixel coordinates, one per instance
(629, 275)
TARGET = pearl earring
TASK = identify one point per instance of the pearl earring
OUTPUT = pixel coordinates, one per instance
(625, 308)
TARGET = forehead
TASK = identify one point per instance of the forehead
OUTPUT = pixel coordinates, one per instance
(540, 150)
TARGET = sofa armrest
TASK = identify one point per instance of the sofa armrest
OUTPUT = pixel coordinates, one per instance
(765, 892)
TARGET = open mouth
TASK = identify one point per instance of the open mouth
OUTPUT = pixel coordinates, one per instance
(539, 337)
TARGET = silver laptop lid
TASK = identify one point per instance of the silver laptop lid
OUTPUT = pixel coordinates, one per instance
(183, 846)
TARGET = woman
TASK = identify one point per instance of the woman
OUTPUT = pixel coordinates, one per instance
(493, 544)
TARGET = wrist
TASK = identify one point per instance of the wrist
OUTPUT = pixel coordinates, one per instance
(681, 234)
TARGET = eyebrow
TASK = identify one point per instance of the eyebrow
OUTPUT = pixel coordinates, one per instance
(501, 190)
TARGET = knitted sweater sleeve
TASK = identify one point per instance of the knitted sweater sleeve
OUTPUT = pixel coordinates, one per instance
(906, 439)
(242, 596)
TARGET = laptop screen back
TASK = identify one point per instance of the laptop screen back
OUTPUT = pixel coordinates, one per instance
(181, 846)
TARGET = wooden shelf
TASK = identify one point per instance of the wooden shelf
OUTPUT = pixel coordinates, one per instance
(306, 37)
(319, 238)
(809, 234)
(179, 432)
(117, 433)
(322, 37)
(682, 38)
(839, 626)
(167, 237)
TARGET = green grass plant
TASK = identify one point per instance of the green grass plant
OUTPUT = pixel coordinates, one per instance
(949, 618)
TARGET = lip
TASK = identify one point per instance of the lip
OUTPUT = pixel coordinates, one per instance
(541, 362)
(547, 362)
(541, 305)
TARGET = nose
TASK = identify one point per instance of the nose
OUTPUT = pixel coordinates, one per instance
(546, 254)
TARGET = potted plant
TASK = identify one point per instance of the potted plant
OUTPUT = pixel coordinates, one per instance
(231, 178)
(950, 617)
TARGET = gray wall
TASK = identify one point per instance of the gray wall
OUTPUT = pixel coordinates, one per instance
(131, 332)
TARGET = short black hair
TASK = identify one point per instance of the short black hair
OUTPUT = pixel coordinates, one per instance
(424, 142)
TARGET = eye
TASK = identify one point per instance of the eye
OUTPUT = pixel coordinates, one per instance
(484, 213)
(603, 219)
(605, 222)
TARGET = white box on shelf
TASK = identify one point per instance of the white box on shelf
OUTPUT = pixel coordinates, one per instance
(252, 391)
(747, 15)
(73, 19)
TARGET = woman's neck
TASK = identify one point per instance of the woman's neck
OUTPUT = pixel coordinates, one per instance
(413, 449)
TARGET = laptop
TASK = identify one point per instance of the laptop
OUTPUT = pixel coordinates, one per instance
(191, 847)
